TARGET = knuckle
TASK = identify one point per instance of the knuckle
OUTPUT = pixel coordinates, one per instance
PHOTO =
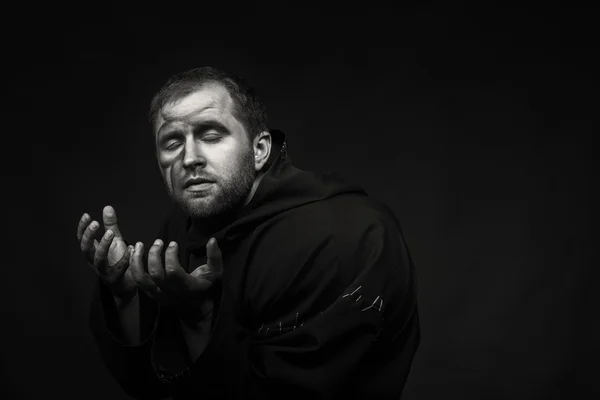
(154, 273)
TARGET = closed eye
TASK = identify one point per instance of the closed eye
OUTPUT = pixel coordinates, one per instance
(172, 145)
(211, 138)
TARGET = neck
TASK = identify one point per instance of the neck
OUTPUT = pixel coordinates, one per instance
(259, 177)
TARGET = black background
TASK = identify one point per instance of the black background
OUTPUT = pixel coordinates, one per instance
(475, 126)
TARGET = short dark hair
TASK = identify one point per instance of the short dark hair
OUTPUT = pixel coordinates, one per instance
(248, 107)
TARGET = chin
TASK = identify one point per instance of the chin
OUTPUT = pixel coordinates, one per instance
(203, 208)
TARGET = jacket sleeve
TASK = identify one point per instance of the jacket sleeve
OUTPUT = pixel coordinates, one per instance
(130, 365)
(348, 327)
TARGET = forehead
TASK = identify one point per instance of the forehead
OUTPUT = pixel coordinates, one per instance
(211, 99)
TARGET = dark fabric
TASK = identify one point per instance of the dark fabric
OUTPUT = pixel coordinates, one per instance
(318, 298)
(130, 365)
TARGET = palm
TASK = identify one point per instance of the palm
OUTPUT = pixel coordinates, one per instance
(204, 276)
(117, 250)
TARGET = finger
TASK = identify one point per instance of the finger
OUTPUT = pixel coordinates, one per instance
(155, 265)
(87, 241)
(119, 269)
(83, 224)
(109, 217)
(136, 262)
(125, 260)
(136, 265)
(102, 251)
(214, 259)
(175, 275)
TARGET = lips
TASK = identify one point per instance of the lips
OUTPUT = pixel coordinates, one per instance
(196, 181)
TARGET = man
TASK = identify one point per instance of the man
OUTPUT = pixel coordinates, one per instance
(266, 281)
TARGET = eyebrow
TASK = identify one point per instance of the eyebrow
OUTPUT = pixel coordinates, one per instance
(197, 126)
(211, 123)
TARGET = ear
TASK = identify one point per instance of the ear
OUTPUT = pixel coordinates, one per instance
(262, 149)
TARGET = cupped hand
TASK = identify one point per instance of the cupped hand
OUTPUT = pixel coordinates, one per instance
(168, 281)
(109, 256)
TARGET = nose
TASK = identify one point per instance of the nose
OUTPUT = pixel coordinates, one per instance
(193, 155)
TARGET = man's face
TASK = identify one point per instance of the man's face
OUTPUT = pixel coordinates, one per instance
(204, 153)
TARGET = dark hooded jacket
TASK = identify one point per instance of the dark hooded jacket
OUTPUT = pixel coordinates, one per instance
(317, 300)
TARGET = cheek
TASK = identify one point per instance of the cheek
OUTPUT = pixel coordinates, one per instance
(166, 160)
(168, 166)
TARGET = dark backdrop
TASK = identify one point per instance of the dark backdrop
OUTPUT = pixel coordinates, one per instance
(475, 127)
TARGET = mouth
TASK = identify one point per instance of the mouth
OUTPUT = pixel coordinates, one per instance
(197, 184)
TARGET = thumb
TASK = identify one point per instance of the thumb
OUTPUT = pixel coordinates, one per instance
(213, 268)
(109, 217)
(214, 261)
(121, 266)
(214, 256)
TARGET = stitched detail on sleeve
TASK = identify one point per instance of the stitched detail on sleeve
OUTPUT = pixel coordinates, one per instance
(281, 327)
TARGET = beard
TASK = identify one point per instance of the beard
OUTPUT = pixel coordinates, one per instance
(226, 196)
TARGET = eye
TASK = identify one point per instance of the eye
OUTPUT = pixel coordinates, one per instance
(211, 138)
(172, 145)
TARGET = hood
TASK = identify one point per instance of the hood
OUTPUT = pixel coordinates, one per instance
(283, 187)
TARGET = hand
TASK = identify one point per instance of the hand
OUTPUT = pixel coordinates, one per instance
(171, 283)
(109, 257)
